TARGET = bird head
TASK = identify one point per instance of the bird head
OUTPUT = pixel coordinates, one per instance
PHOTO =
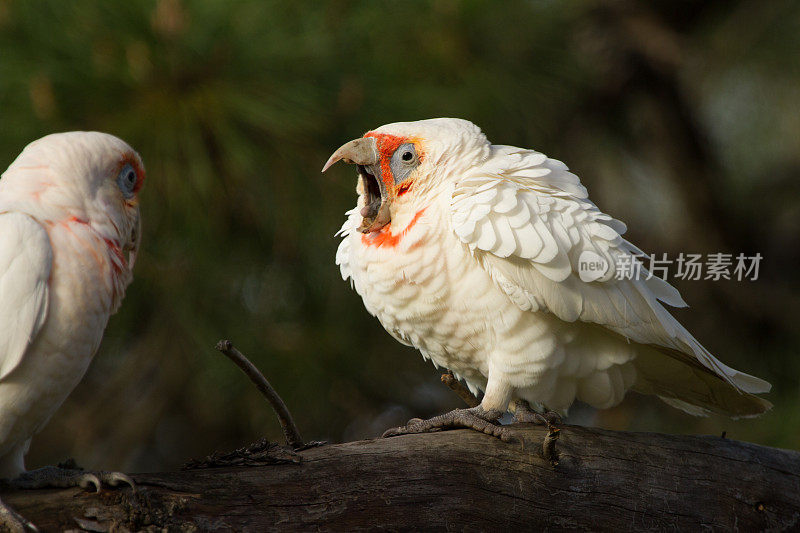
(402, 165)
(89, 177)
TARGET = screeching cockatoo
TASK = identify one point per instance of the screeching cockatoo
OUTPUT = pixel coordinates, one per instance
(69, 232)
(469, 251)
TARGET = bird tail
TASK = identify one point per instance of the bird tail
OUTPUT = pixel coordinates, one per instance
(684, 383)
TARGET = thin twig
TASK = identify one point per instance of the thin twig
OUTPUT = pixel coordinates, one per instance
(290, 431)
(459, 388)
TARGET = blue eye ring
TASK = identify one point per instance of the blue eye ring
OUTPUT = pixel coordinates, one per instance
(407, 153)
(404, 161)
(126, 180)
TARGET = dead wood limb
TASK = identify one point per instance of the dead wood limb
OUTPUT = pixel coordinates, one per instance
(459, 388)
(290, 430)
(459, 480)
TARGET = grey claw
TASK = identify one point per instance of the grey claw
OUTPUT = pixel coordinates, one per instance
(525, 414)
(84, 480)
(115, 479)
(392, 432)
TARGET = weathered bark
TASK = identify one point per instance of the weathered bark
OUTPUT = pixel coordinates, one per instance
(462, 480)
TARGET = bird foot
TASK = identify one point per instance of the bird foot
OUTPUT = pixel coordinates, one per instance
(473, 418)
(58, 477)
(54, 476)
(525, 414)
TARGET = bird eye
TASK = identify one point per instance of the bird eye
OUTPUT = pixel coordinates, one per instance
(404, 161)
(127, 180)
(406, 153)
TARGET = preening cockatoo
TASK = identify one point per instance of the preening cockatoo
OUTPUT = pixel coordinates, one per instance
(469, 251)
(69, 232)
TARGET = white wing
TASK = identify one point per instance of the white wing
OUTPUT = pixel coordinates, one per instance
(528, 220)
(25, 261)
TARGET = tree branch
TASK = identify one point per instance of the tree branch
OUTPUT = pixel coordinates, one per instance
(290, 430)
(604, 480)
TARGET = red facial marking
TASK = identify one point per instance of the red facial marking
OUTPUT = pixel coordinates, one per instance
(130, 159)
(387, 146)
(404, 188)
(385, 237)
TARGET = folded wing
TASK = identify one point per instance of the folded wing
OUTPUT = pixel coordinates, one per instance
(25, 262)
(529, 222)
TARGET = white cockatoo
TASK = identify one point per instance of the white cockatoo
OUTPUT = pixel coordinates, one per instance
(69, 232)
(470, 252)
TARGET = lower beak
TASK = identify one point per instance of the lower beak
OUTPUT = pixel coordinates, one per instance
(376, 212)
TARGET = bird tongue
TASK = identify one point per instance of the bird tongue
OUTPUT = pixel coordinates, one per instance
(371, 209)
(374, 221)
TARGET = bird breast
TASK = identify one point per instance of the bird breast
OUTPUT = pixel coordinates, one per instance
(426, 289)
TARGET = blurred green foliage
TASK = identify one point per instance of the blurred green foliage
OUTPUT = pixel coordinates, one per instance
(681, 118)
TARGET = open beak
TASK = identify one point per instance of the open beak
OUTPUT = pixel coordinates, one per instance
(133, 244)
(363, 152)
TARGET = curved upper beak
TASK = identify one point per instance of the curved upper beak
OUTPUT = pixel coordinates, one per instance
(363, 151)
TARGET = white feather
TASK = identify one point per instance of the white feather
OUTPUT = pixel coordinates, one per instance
(25, 262)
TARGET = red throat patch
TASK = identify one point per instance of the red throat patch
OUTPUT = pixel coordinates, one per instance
(385, 238)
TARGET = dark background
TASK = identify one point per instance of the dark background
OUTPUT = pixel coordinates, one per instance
(681, 117)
